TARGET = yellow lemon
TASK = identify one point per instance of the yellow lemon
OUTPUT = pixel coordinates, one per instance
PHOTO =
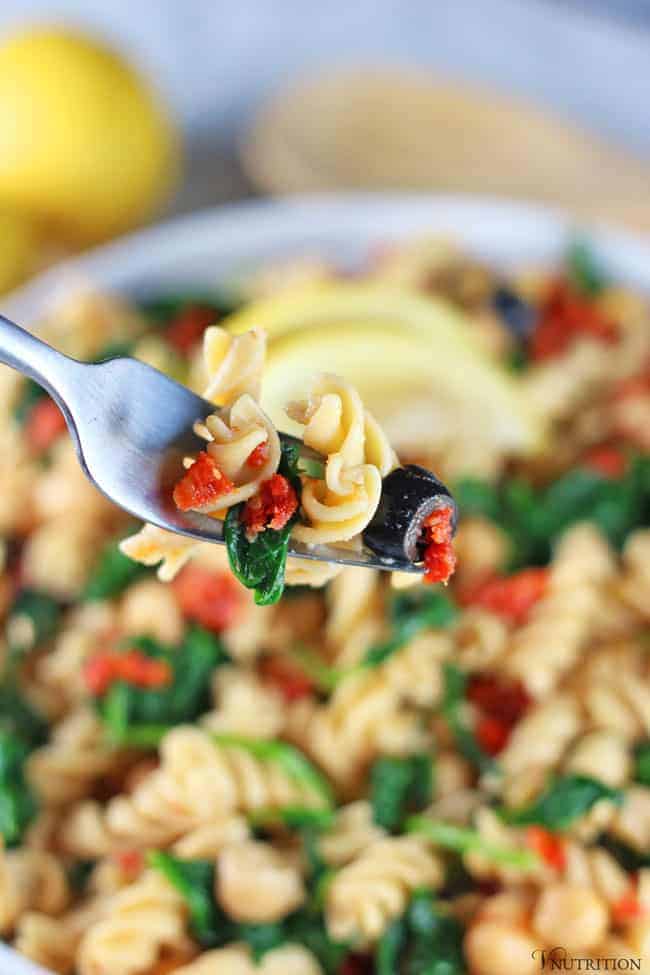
(84, 144)
(19, 249)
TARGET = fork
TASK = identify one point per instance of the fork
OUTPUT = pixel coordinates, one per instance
(132, 426)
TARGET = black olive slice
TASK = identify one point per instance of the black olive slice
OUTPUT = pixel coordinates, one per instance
(409, 495)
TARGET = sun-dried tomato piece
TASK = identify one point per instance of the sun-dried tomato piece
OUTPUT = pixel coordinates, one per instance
(45, 424)
(202, 484)
(130, 863)
(287, 677)
(272, 507)
(629, 907)
(439, 556)
(188, 326)
(549, 847)
(492, 734)
(133, 667)
(259, 455)
(508, 701)
(609, 461)
(564, 315)
(213, 599)
(510, 596)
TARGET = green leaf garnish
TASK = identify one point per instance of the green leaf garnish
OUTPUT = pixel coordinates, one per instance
(584, 270)
(113, 573)
(642, 764)
(461, 839)
(17, 802)
(140, 716)
(424, 941)
(452, 711)
(290, 759)
(565, 800)
(399, 785)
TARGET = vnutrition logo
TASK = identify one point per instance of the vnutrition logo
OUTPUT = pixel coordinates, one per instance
(558, 959)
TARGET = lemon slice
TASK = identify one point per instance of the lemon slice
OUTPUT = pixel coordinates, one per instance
(399, 348)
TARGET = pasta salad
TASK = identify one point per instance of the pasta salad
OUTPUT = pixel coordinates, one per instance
(358, 777)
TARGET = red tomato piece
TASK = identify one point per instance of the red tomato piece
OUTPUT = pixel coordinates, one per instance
(287, 677)
(44, 425)
(439, 556)
(509, 702)
(133, 667)
(188, 327)
(564, 315)
(201, 485)
(628, 907)
(272, 507)
(547, 846)
(606, 460)
(99, 673)
(492, 734)
(259, 456)
(357, 965)
(510, 596)
(213, 599)
(130, 862)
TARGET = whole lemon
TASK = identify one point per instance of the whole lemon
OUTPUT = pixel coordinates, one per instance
(85, 146)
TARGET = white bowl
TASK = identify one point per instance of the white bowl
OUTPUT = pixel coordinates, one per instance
(211, 246)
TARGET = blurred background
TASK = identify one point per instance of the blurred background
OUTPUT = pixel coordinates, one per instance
(544, 99)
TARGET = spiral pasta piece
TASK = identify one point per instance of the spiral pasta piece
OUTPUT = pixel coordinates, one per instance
(256, 883)
(30, 880)
(141, 921)
(371, 891)
(198, 782)
(353, 831)
(358, 456)
(244, 705)
(233, 363)
(561, 623)
(76, 756)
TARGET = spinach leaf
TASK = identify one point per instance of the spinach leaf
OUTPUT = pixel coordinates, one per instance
(212, 927)
(293, 817)
(584, 270)
(631, 860)
(534, 518)
(194, 879)
(425, 941)
(410, 613)
(565, 800)
(390, 947)
(642, 764)
(462, 839)
(42, 615)
(260, 564)
(17, 716)
(307, 928)
(452, 711)
(113, 573)
(140, 716)
(17, 802)
(399, 785)
(290, 759)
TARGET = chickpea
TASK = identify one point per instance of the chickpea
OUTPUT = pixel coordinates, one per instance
(496, 947)
(574, 917)
(255, 884)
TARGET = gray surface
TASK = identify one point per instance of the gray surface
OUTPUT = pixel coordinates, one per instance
(215, 60)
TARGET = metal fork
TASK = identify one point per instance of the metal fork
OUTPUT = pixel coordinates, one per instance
(132, 426)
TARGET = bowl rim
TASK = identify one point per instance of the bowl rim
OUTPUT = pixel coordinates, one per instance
(497, 228)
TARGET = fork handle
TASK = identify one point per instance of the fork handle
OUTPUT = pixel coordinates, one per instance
(36, 359)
